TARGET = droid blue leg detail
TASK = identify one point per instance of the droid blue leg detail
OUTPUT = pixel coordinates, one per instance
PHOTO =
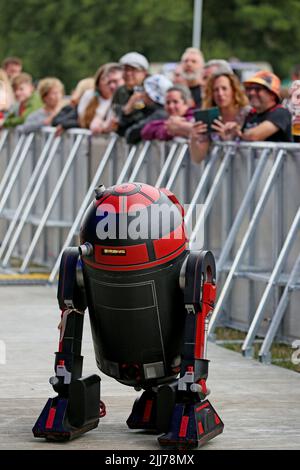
(63, 419)
(192, 426)
(75, 410)
(194, 421)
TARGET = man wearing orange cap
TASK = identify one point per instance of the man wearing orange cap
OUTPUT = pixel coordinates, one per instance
(267, 120)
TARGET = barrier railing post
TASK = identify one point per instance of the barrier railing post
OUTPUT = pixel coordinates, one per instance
(15, 171)
(212, 194)
(51, 202)
(174, 172)
(202, 185)
(242, 210)
(264, 353)
(11, 164)
(163, 174)
(256, 322)
(31, 201)
(25, 195)
(247, 238)
(84, 205)
(140, 161)
(3, 138)
(128, 162)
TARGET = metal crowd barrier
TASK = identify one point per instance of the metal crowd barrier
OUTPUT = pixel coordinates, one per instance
(250, 217)
(47, 182)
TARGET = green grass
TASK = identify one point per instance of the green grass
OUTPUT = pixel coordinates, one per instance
(281, 353)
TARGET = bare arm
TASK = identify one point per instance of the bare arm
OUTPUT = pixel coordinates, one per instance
(260, 132)
(178, 126)
(199, 142)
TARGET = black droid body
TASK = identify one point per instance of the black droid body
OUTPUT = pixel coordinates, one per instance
(149, 299)
(131, 283)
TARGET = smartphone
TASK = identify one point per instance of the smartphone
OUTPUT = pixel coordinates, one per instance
(207, 116)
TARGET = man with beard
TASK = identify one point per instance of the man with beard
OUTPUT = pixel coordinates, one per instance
(192, 68)
(192, 63)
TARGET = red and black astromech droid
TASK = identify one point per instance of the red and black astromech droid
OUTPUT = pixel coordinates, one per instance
(149, 301)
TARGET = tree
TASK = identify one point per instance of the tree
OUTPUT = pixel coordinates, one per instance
(71, 38)
(253, 30)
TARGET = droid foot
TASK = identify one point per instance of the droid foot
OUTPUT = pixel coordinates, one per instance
(144, 411)
(63, 419)
(192, 425)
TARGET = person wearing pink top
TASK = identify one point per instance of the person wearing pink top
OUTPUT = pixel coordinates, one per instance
(177, 108)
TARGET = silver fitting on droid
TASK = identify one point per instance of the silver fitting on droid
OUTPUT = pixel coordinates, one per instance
(53, 381)
(86, 249)
(188, 378)
(99, 191)
(61, 371)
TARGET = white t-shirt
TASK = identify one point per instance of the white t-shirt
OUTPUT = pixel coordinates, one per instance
(103, 107)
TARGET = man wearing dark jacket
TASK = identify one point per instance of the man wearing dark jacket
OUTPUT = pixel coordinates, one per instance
(127, 104)
(153, 98)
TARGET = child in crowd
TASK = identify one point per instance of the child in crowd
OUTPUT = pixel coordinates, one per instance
(51, 91)
(27, 100)
(68, 115)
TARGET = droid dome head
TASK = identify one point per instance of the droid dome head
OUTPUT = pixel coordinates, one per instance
(133, 226)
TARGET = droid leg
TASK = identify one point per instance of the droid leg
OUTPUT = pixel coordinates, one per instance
(144, 411)
(75, 409)
(153, 409)
(194, 421)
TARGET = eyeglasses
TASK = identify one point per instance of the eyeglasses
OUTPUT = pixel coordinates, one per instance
(255, 88)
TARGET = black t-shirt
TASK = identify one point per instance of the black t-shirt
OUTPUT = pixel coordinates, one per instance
(196, 95)
(279, 116)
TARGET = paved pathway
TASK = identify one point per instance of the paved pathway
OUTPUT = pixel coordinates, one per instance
(259, 404)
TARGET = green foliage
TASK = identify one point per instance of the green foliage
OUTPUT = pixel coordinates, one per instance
(71, 38)
(254, 30)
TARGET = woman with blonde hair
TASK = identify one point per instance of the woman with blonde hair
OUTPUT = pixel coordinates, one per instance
(224, 91)
(51, 91)
(67, 118)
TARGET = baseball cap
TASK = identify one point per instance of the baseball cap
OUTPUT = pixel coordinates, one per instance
(156, 87)
(135, 59)
(268, 80)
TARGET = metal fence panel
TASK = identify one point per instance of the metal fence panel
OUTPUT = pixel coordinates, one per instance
(44, 196)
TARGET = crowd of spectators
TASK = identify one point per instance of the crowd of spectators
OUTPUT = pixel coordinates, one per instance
(123, 97)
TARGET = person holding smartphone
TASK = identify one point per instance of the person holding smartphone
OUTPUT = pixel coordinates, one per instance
(224, 91)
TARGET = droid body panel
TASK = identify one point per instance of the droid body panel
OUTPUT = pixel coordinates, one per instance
(137, 323)
(149, 301)
(131, 284)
